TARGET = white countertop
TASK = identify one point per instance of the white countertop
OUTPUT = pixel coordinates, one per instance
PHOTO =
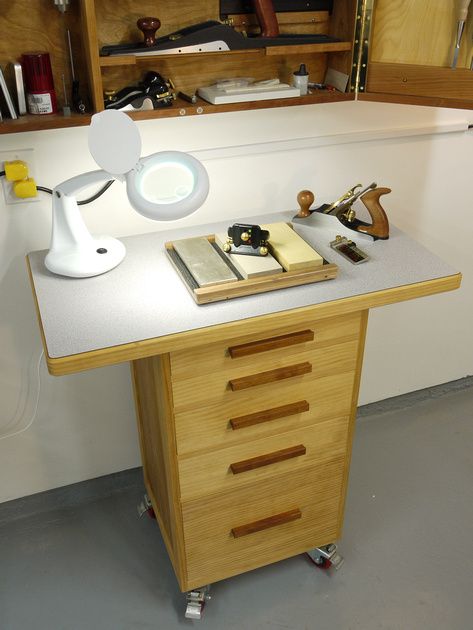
(144, 298)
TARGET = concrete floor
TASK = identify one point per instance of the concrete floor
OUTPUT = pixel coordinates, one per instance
(408, 546)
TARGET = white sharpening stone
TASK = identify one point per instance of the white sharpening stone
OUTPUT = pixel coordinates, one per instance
(250, 266)
(290, 249)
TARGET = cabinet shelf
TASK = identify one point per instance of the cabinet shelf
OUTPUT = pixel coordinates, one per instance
(179, 108)
(132, 60)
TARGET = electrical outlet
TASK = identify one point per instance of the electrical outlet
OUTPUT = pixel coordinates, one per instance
(27, 155)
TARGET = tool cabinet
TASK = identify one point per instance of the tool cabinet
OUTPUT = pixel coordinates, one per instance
(253, 475)
(393, 51)
(246, 409)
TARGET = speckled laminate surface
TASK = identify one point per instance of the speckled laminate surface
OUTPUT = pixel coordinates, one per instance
(144, 298)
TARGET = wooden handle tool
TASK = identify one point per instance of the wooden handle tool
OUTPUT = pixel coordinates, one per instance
(148, 26)
(267, 19)
(380, 225)
(305, 199)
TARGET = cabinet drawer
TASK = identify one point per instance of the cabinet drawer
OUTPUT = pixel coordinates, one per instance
(261, 378)
(261, 350)
(247, 464)
(275, 519)
(262, 413)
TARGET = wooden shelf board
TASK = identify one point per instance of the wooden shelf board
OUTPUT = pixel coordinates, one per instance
(39, 123)
(180, 108)
(131, 60)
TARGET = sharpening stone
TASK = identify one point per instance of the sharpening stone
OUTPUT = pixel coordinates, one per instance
(290, 249)
(203, 262)
(250, 266)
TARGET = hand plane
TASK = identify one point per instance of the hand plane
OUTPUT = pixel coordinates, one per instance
(342, 209)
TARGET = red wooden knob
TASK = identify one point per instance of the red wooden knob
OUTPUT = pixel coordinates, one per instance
(149, 26)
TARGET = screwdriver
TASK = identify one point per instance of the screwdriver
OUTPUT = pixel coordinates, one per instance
(77, 101)
(462, 14)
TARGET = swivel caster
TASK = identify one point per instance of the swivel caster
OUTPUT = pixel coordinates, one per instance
(326, 557)
(196, 601)
(145, 507)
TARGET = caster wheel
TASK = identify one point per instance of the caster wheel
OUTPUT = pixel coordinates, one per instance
(326, 557)
(324, 563)
(196, 601)
(146, 507)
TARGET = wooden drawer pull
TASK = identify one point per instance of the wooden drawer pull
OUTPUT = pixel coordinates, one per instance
(268, 458)
(266, 523)
(269, 377)
(269, 414)
(273, 343)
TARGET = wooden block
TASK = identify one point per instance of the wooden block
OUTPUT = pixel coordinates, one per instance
(203, 262)
(250, 266)
(290, 249)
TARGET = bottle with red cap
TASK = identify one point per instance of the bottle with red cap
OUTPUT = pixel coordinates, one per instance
(40, 93)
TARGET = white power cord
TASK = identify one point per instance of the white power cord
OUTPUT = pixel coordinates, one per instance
(36, 403)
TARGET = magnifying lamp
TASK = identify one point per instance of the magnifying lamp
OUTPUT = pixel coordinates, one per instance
(164, 186)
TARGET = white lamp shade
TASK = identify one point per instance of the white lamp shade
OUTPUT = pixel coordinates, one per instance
(167, 186)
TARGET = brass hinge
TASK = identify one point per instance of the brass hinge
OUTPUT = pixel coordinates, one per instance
(364, 18)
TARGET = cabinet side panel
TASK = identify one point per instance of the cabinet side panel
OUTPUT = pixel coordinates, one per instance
(342, 25)
(90, 42)
(153, 399)
(354, 405)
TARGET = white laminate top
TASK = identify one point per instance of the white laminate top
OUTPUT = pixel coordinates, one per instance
(144, 298)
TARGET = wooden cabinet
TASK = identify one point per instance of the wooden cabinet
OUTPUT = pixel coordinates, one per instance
(394, 51)
(232, 496)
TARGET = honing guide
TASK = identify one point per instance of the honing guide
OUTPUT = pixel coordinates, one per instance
(250, 266)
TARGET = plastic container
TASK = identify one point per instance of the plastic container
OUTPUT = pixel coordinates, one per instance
(300, 79)
(38, 76)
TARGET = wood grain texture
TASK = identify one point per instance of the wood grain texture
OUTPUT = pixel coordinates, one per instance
(274, 343)
(206, 474)
(153, 400)
(267, 415)
(214, 357)
(91, 48)
(204, 389)
(419, 32)
(38, 26)
(270, 376)
(266, 523)
(424, 81)
(212, 553)
(267, 459)
(352, 418)
(208, 428)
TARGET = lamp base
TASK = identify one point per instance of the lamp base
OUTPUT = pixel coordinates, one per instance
(97, 256)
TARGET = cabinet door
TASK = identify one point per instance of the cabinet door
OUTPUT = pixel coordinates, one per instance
(411, 52)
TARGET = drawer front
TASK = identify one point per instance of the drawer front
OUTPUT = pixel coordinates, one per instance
(262, 413)
(275, 519)
(259, 351)
(233, 386)
(247, 464)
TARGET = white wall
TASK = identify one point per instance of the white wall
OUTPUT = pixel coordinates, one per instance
(84, 425)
